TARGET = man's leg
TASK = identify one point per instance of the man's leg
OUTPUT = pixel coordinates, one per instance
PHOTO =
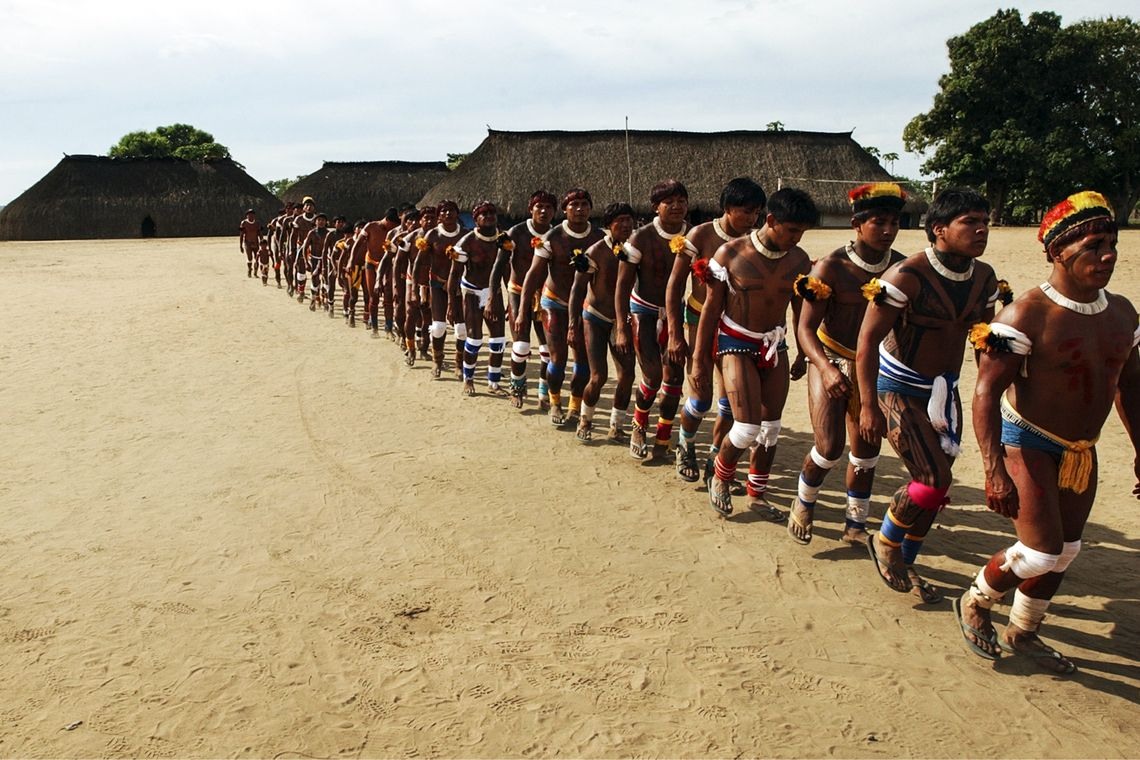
(626, 365)
(649, 360)
(520, 352)
(473, 342)
(827, 417)
(496, 345)
(596, 335)
(774, 393)
(914, 506)
(556, 323)
(742, 386)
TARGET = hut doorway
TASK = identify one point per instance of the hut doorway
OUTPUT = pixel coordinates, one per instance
(149, 229)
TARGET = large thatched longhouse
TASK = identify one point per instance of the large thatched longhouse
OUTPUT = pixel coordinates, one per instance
(366, 189)
(508, 166)
(99, 197)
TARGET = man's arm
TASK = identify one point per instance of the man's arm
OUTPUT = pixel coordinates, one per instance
(623, 336)
(878, 321)
(678, 350)
(1128, 407)
(996, 372)
(577, 299)
(535, 276)
(701, 373)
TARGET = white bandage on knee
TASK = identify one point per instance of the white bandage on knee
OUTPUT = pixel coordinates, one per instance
(496, 345)
(983, 594)
(520, 351)
(863, 463)
(460, 331)
(544, 353)
(438, 329)
(1069, 552)
(1026, 612)
(821, 461)
(1028, 563)
(769, 433)
(742, 434)
(807, 493)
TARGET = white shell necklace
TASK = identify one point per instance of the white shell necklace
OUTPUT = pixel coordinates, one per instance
(763, 249)
(719, 230)
(1080, 307)
(668, 235)
(533, 232)
(862, 263)
(492, 239)
(445, 233)
(949, 274)
(573, 234)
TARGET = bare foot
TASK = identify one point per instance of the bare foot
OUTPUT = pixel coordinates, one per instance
(468, 387)
(517, 397)
(616, 434)
(888, 564)
(854, 535)
(1029, 645)
(585, 430)
(436, 371)
(544, 403)
(496, 390)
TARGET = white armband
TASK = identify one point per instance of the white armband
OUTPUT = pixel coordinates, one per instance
(632, 254)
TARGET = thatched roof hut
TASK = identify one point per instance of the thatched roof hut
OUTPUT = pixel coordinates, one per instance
(508, 166)
(99, 197)
(366, 189)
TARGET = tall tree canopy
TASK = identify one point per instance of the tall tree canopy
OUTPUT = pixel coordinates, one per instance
(1032, 111)
(175, 140)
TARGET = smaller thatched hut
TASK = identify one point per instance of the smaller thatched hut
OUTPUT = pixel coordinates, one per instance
(86, 197)
(618, 166)
(366, 189)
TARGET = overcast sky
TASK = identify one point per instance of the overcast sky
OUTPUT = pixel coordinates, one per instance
(287, 85)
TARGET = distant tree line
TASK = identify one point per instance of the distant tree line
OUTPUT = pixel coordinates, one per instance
(1032, 111)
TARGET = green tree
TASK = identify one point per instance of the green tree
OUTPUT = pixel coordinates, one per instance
(1099, 144)
(1032, 112)
(280, 186)
(176, 140)
(774, 126)
(993, 112)
(455, 159)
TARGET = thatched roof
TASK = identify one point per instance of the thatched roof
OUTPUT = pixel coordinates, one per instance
(366, 189)
(99, 197)
(508, 166)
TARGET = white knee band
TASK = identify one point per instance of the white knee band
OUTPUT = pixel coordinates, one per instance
(1028, 563)
(863, 463)
(520, 351)
(472, 345)
(769, 433)
(544, 352)
(496, 345)
(821, 461)
(438, 329)
(460, 331)
(1069, 552)
(742, 434)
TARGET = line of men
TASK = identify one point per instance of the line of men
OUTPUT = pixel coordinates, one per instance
(881, 338)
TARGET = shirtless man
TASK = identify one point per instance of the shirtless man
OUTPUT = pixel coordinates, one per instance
(331, 261)
(592, 310)
(829, 327)
(743, 324)
(741, 203)
(1062, 354)
(351, 263)
(263, 257)
(371, 240)
(526, 236)
(433, 264)
(551, 270)
(249, 237)
(642, 275)
(399, 255)
(302, 224)
(921, 311)
(475, 255)
(280, 236)
(309, 257)
(415, 319)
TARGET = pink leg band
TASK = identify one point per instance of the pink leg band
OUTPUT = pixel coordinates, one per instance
(927, 497)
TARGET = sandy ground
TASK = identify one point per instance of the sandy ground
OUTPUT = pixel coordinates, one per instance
(232, 527)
